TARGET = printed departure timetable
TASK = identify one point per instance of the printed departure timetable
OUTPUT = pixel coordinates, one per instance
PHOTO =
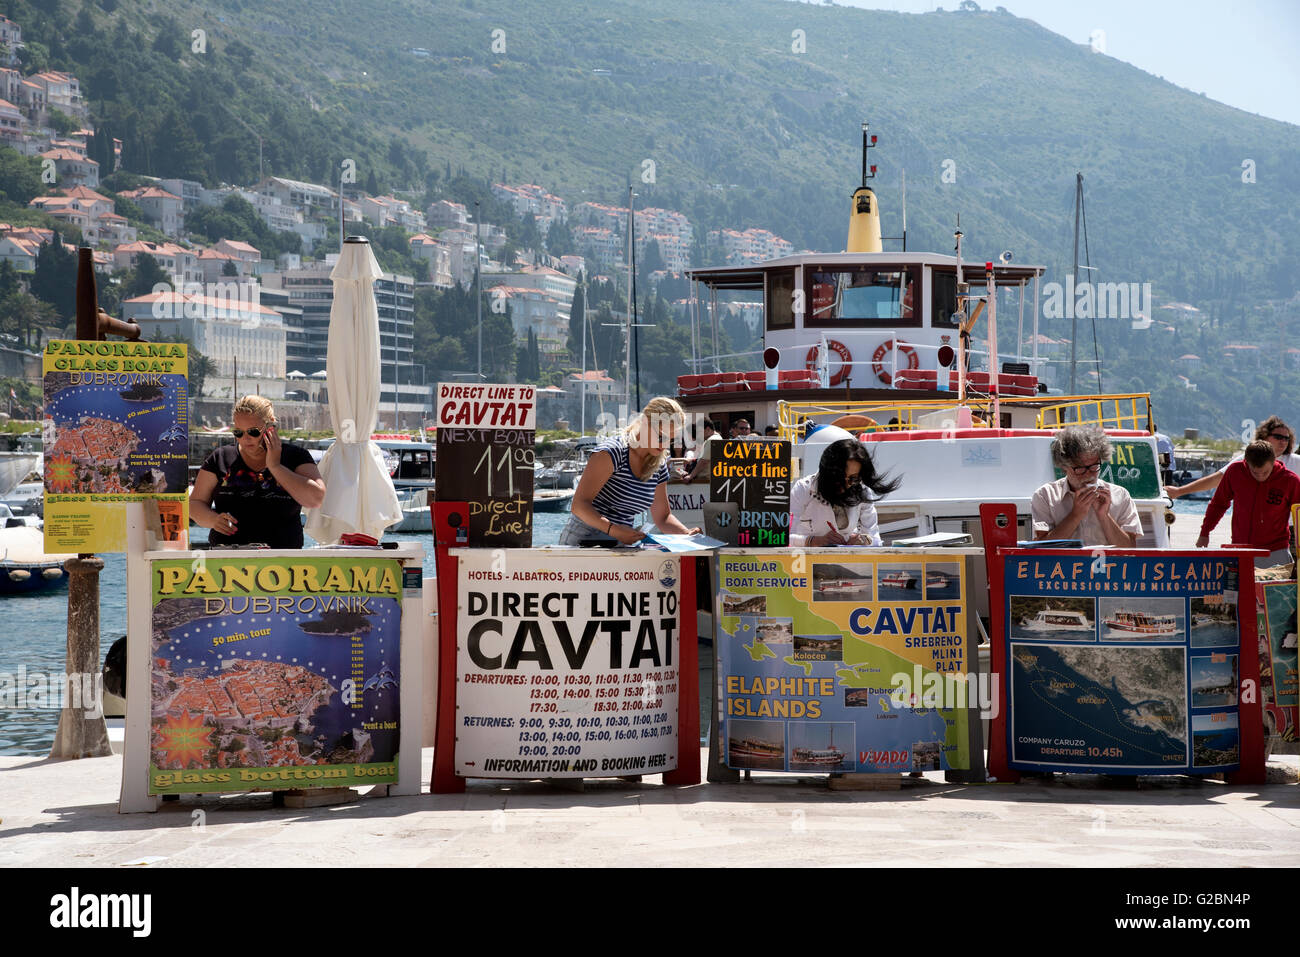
(567, 667)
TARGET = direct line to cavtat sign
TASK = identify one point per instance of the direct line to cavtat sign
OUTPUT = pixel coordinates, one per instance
(485, 461)
(487, 406)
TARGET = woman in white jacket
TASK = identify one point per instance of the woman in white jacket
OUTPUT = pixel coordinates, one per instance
(833, 506)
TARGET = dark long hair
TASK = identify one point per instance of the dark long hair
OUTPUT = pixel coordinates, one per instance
(834, 465)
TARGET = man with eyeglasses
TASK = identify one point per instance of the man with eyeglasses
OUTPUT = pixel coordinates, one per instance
(1080, 505)
(740, 429)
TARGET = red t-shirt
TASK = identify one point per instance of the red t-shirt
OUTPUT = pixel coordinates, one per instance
(1261, 511)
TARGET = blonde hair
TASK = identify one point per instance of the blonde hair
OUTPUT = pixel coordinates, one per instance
(657, 410)
(256, 406)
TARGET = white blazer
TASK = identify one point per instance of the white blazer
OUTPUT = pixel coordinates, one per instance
(809, 516)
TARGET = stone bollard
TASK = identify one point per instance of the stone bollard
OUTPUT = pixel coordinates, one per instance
(81, 736)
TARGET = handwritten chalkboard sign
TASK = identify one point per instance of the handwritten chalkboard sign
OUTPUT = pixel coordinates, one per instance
(1132, 466)
(755, 474)
(485, 458)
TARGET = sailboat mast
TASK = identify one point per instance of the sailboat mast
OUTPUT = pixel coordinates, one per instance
(627, 358)
(1074, 321)
(582, 319)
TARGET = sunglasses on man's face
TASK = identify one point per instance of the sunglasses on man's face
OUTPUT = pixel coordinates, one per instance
(1280, 436)
(252, 433)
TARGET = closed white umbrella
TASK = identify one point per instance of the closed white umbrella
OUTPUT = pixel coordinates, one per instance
(359, 495)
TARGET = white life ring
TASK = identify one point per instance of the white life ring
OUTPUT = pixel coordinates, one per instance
(877, 359)
(841, 350)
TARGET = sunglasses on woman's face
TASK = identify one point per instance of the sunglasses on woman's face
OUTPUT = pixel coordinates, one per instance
(252, 433)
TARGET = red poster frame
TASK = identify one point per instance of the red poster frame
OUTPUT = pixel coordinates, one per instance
(448, 518)
(998, 522)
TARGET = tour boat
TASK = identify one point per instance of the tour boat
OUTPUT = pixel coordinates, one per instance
(754, 751)
(898, 580)
(1056, 620)
(843, 584)
(1140, 624)
(828, 757)
(822, 757)
(882, 346)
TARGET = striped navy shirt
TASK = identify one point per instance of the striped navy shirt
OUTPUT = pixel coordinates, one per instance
(625, 496)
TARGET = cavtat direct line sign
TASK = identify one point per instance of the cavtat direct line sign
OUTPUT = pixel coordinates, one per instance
(1124, 663)
(843, 661)
(274, 673)
(566, 666)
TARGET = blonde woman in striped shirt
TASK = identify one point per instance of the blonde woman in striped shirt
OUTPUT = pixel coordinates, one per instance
(625, 476)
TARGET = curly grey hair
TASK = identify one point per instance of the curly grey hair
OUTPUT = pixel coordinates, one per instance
(1075, 442)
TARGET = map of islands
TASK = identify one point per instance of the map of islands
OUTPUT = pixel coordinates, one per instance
(1127, 700)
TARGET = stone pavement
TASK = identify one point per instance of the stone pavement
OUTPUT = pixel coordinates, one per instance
(64, 814)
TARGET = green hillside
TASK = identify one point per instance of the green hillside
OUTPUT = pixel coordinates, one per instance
(744, 130)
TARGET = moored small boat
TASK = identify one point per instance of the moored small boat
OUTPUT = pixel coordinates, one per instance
(24, 564)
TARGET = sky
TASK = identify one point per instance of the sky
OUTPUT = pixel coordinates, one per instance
(1243, 54)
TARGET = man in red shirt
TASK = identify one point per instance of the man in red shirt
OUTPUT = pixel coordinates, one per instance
(1261, 491)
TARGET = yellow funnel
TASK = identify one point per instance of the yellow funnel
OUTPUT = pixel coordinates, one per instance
(864, 223)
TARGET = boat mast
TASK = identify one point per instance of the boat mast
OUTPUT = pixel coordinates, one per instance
(627, 358)
(993, 343)
(963, 306)
(582, 276)
(1074, 322)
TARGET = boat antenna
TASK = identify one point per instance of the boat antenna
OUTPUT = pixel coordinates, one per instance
(868, 141)
(904, 172)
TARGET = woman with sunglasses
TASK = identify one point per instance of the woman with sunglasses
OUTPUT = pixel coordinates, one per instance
(624, 477)
(256, 489)
(832, 506)
(1080, 505)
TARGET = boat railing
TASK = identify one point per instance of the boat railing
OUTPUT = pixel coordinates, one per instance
(793, 417)
(1120, 412)
(1103, 411)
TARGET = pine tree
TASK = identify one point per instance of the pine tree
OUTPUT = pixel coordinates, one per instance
(577, 316)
